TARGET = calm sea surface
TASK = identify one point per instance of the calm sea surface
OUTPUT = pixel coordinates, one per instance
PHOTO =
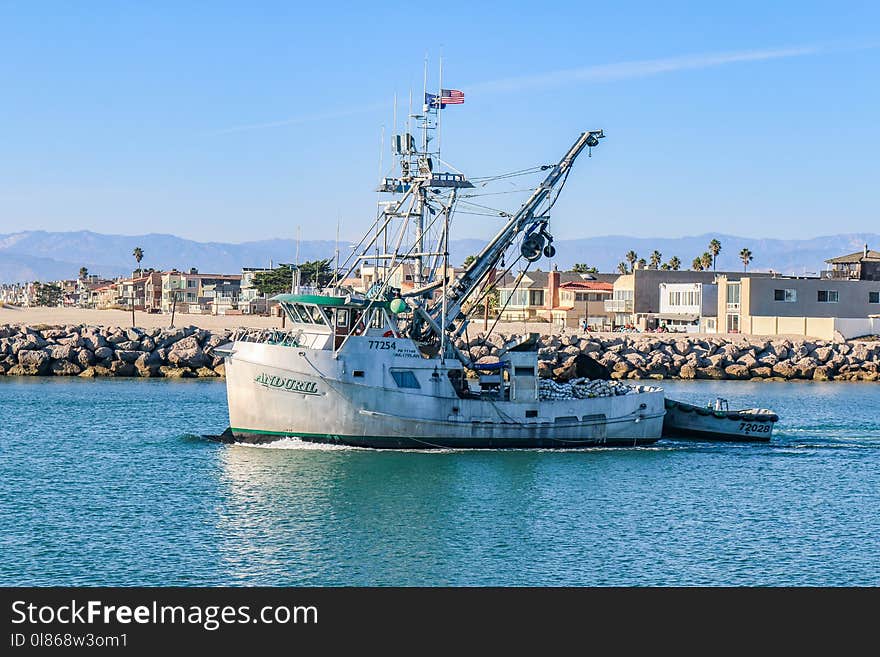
(103, 482)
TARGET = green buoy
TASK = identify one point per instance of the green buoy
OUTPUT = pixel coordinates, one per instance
(398, 306)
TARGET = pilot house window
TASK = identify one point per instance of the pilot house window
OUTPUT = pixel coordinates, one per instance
(405, 379)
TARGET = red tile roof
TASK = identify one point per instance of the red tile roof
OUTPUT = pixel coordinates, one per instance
(587, 285)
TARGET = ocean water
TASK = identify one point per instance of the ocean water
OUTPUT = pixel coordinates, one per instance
(104, 482)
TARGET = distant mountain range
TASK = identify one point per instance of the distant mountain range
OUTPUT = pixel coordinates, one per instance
(41, 255)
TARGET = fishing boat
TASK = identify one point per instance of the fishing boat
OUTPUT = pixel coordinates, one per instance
(387, 367)
(716, 421)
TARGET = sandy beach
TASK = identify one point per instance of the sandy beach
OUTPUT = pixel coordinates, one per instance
(39, 315)
(112, 318)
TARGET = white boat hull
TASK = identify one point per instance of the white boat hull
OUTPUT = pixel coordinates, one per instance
(277, 391)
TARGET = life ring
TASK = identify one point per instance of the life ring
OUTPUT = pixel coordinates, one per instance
(389, 334)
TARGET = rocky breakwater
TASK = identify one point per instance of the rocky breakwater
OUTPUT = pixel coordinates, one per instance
(639, 356)
(90, 351)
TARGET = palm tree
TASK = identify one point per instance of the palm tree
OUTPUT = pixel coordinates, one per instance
(697, 264)
(714, 249)
(706, 259)
(656, 258)
(674, 263)
(642, 263)
(665, 266)
(83, 273)
(746, 256)
(631, 257)
(622, 268)
(583, 268)
(138, 254)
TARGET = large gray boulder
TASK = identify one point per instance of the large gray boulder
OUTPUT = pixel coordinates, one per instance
(128, 355)
(65, 368)
(34, 341)
(128, 345)
(62, 352)
(93, 341)
(117, 336)
(168, 337)
(188, 353)
(34, 361)
(737, 371)
(103, 353)
(85, 358)
(120, 368)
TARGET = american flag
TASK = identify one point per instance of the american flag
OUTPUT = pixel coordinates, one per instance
(447, 97)
(451, 97)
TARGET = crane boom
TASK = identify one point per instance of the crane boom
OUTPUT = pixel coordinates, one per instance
(458, 293)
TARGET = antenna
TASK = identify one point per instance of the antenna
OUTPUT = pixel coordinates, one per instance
(296, 290)
(336, 273)
(424, 97)
(440, 105)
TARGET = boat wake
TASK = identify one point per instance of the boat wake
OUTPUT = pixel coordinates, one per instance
(296, 443)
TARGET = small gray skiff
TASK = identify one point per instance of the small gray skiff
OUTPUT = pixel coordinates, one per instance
(717, 422)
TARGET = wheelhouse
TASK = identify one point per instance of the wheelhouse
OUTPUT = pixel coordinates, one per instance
(327, 322)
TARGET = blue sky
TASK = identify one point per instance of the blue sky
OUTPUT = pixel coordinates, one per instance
(239, 121)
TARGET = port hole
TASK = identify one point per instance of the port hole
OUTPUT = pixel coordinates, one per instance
(531, 413)
(358, 373)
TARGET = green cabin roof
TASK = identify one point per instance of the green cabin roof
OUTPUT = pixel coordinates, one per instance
(320, 300)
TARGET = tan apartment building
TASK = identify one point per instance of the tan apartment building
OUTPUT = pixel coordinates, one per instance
(636, 296)
(815, 307)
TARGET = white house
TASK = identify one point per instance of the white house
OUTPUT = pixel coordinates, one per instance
(689, 307)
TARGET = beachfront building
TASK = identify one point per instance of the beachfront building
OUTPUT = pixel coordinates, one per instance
(636, 297)
(132, 292)
(220, 296)
(179, 291)
(815, 307)
(85, 288)
(563, 298)
(689, 307)
(250, 301)
(152, 298)
(401, 277)
(18, 294)
(104, 297)
(862, 265)
(69, 292)
(192, 292)
(581, 300)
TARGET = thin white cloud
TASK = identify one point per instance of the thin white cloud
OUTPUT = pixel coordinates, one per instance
(303, 118)
(596, 73)
(635, 69)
